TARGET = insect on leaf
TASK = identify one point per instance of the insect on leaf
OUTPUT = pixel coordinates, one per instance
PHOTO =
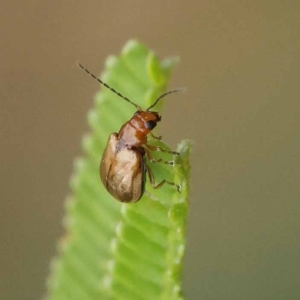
(123, 251)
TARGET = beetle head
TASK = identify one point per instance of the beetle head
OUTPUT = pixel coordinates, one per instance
(150, 118)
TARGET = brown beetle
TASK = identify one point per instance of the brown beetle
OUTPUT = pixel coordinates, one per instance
(123, 167)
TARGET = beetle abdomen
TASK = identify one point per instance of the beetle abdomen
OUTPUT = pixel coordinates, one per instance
(122, 171)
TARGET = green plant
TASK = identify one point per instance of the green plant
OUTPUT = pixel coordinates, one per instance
(123, 251)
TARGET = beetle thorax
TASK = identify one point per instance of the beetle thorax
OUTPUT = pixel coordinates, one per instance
(134, 132)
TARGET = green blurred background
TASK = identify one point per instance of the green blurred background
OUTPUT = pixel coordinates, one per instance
(240, 65)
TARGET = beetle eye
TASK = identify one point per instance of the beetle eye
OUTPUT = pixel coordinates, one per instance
(150, 124)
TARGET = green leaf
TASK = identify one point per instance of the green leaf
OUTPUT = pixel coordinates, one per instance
(123, 251)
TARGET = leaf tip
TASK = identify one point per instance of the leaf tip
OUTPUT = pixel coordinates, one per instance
(132, 46)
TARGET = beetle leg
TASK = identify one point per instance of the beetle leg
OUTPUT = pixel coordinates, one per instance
(156, 148)
(153, 160)
(159, 185)
(156, 137)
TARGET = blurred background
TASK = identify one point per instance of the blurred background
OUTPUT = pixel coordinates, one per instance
(240, 65)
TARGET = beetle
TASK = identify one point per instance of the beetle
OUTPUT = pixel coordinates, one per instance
(123, 166)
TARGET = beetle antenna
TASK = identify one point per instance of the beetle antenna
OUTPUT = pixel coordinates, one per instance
(107, 86)
(163, 95)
